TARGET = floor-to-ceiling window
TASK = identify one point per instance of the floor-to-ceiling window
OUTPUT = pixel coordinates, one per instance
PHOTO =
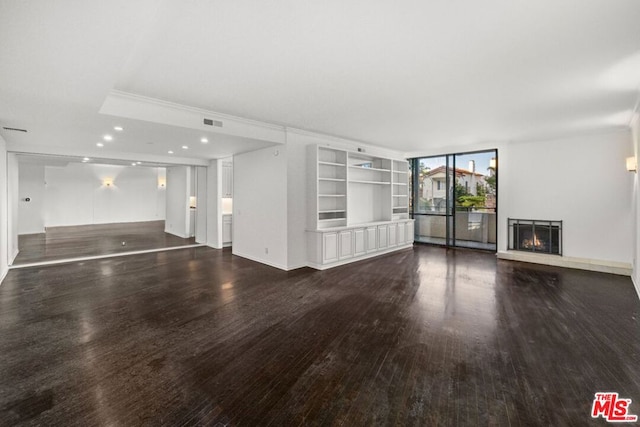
(454, 199)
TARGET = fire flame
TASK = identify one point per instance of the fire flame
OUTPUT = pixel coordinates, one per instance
(533, 243)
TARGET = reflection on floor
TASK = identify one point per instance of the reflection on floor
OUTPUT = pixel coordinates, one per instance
(460, 243)
(91, 240)
(424, 337)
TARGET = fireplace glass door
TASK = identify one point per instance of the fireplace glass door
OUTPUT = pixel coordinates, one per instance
(540, 236)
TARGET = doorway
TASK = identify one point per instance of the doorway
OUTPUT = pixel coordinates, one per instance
(64, 207)
(455, 198)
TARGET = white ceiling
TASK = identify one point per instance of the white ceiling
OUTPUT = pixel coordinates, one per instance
(407, 75)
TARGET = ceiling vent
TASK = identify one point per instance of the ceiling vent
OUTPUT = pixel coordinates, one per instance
(15, 129)
(211, 122)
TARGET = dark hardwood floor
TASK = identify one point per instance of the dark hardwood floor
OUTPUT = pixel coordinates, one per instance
(91, 240)
(422, 337)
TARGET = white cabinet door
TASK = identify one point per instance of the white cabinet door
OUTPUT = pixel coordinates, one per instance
(227, 229)
(402, 233)
(371, 240)
(410, 232)
(329, 247)
(346, 244)
(383, 241)
(393, 235)
(359, 247)
(227, 179)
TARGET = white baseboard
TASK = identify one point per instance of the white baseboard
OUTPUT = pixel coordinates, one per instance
(183, 236)
(636, 285)
(12, 256)
(3, 274)
(261, 261)
(602, 266)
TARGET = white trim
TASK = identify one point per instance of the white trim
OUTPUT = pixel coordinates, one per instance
(90, 258)
(602, 266)
(262, 261)
(182, 236)
(636, 285)
(3, 275)
(12, 257)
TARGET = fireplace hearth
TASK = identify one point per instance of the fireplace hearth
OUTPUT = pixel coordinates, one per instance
(539, 236)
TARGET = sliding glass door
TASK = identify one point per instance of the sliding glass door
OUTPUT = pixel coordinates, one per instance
(454, 199)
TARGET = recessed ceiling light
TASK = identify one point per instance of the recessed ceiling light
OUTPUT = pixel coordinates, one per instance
(118, 128)
(204, 140)
(86, 159)
(170, 152)
(185, 147)
(138, 163)
(100, 144)
(133, 164)
(107, 138)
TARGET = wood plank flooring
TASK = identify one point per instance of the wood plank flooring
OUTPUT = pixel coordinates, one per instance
(428, 337)
(91, 240)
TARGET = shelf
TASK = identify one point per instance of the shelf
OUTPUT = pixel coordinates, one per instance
(400, 195)
(369, 169)
(332, 179)
(399, 183)
(332, 164)
(332, 211)
(332, 219)
(332, 195)
(402, 172)
(370, 182)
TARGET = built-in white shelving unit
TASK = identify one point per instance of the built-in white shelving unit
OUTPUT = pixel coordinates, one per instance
(358, 206)
(400, 190)
(330, 189)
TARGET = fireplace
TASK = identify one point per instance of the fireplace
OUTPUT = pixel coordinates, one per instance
(539, 236)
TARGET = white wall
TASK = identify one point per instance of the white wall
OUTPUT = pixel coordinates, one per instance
(581, 181)
(296, 201)
(214, 207)
(76, 194)
(31, 186)
(4, 249)
(12, 201)
(577, 179)
(201, 210)
(178, 214)
(260, 206)
(635, 128)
